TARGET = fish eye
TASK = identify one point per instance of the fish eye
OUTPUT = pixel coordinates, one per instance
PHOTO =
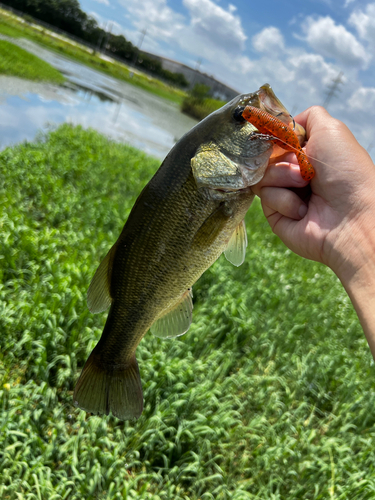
(237, 114)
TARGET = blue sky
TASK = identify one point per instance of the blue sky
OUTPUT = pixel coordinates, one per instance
(297, 47)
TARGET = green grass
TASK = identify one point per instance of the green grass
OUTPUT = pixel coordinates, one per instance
(18, 62)
(200, 108)
(11, 26)
(270, 395)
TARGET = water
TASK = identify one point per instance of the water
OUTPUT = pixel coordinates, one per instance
(92, 99)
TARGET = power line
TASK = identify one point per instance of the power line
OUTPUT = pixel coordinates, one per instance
(100, 39)
(333, 88)
(136, 52)
(196, 70)
(141, 38)
(108, 32)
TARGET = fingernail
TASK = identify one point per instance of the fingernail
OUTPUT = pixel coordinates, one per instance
(295, 174)
(302, 211)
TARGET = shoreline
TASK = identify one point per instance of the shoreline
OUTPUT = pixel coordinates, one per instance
(16, 27)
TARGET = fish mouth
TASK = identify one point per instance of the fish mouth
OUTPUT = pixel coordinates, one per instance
(252, 163)
(252, 99)
(271, 104)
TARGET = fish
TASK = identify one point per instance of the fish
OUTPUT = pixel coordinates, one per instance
(189, 213)
(271, 128)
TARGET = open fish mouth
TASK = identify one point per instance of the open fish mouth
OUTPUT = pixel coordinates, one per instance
(252, 163)
(271, 104)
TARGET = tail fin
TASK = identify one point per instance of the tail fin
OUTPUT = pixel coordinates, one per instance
(103, 389)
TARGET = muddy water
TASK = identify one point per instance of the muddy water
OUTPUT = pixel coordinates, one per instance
(121, 111)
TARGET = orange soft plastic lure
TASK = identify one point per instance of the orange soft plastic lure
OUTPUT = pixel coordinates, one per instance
(282, 135)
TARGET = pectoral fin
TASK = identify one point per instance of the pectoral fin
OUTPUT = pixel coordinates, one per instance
(236, 249)
(212, 226)
(176, 320)
(98, 295)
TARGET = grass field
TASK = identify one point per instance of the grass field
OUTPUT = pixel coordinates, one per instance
(270, 395)
(200, 108)
(11, 26)
(18, 62)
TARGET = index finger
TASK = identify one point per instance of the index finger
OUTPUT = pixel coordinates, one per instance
(312, 118)
(283, 174)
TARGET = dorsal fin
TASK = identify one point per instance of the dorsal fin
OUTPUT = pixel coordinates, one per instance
(176, 320)
(236, 248)
(98, 295)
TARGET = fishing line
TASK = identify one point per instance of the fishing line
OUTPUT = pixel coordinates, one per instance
(253, 115)
(297, 150)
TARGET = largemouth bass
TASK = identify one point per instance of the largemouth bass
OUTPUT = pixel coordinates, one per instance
(190, 212)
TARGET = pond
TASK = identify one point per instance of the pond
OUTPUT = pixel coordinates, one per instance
(117, 109)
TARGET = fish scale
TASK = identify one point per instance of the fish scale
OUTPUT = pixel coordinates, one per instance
(190, 212)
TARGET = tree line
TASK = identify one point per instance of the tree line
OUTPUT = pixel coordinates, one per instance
(68, 16)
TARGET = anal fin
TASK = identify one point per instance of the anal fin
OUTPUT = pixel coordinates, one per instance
(176, 320)
(236, 248)
(108, 389)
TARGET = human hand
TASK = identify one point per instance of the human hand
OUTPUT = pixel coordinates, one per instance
(335, 225)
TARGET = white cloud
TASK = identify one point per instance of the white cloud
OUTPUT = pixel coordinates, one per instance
(358, 115)
(364, 22)
(161, 22)
(209, 29)
(245, 65)
(301, 78)
(216, 32)
(269, 40)
(313, 66)
(335, 41)
(274, 70)
(363, 99)
(107, 24)
(217, 25)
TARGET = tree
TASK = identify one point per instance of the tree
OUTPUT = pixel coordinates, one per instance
(68, 16)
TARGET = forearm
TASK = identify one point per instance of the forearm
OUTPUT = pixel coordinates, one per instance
(358, 278)
(362, 295)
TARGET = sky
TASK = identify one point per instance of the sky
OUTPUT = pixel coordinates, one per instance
(299, 48)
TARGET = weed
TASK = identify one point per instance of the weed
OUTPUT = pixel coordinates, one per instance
(270, 395)
(18, 62)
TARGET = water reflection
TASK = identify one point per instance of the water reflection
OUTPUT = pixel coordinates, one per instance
(91, 99)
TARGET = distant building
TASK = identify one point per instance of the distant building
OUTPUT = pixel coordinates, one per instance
(218, 90)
